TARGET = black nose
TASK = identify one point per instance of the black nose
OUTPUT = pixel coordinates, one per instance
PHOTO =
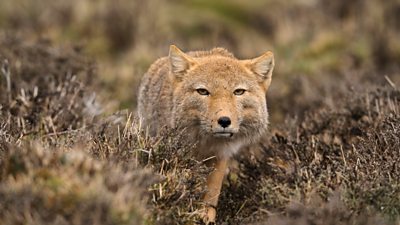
(224, 121)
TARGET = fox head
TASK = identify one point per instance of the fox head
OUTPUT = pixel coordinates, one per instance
(219, 96)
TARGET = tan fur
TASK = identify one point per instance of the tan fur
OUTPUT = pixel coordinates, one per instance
(169, 96)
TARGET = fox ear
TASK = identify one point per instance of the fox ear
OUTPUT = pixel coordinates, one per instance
(263, 65)
(179, 61)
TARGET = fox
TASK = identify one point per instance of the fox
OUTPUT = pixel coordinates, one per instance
(219, 101)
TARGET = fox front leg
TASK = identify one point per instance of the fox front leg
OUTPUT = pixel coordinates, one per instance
(214, 184)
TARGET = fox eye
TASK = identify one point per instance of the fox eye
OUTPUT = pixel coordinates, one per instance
(202, 91)
(239, 91)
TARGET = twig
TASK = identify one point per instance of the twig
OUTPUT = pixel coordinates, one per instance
(207, 159)
(343, 157)
(390, 82)
(5, 70)
(241, 207)
(61, 132)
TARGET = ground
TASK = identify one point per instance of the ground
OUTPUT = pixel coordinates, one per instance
(72, 152)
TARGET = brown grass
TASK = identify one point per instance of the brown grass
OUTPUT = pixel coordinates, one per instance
(67, 156)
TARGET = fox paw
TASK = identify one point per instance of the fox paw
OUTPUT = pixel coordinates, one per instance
(209, 215)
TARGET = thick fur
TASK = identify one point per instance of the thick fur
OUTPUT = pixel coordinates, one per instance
(168, 97)
(194, 92)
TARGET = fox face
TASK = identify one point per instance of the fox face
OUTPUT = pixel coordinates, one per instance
(220, 98)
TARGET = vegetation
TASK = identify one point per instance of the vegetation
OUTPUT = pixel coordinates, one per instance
(72, 151)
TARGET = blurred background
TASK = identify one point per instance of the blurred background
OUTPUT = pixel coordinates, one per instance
(317, 44)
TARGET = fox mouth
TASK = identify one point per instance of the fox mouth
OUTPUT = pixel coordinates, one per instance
(223, 134)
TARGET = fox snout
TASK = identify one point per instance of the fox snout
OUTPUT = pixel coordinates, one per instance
(224, 121)
(224, 128)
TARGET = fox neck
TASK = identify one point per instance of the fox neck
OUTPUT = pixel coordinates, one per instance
(220, 149)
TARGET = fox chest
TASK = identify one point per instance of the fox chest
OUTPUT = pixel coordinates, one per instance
(219, 148)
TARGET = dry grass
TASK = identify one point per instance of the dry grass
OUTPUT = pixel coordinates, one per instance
(62, 162)
(351, 150)
(68, 158)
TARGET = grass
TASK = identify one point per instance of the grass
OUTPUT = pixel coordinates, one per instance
(69, 156)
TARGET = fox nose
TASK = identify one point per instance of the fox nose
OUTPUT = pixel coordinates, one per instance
(224, 121)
